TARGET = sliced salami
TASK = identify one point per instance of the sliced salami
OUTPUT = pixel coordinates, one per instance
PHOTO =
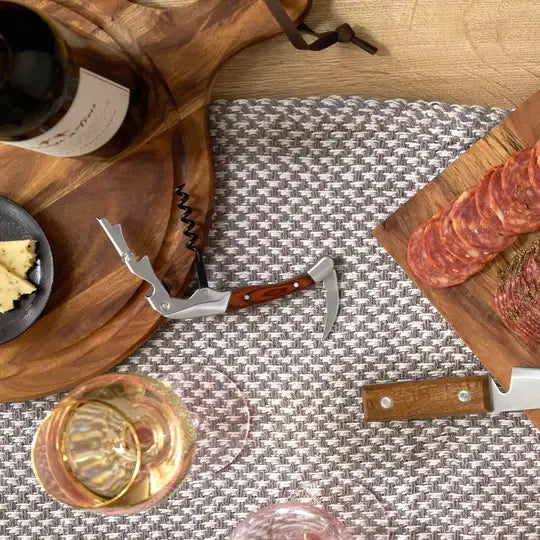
(420, 265)
(483, 221)
(456, 246)
(523, 311)
(502, 302)
(511, 311)
(531, 273)
(438, 255)
(517, 298)
(512, 221)
(482, 200)
(534, 167)
(474, 230)
(517, 186)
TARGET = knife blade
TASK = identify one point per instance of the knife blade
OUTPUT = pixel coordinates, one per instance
(448, 397)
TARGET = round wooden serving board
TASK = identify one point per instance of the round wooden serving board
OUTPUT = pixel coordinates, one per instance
(98, 313)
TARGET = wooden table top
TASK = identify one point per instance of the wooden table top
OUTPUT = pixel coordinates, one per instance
(461, 51)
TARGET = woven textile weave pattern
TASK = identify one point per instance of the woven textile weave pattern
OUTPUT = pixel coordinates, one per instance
(298, 179)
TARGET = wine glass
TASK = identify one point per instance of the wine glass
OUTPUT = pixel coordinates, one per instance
(291, 521)
(304, 515)
(119, 443)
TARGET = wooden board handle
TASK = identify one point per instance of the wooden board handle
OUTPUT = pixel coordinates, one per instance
(260, 294)
(427, 399)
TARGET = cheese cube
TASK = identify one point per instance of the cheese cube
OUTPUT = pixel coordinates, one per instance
(12, 287)
(18, 256)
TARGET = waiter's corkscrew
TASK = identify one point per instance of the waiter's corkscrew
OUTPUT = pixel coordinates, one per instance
(206, 301)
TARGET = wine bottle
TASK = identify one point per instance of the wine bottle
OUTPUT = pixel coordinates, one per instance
(62, 92)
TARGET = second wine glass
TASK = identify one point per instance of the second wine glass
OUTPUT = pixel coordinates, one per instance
(119, 443)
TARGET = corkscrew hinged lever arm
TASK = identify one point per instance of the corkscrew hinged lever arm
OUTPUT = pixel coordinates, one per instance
(206, 301)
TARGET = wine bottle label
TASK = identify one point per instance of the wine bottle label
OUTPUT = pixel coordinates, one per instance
(96, 114)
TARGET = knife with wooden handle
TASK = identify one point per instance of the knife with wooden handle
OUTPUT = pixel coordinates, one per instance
(449, 397)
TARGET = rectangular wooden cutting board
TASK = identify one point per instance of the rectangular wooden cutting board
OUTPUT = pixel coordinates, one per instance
(469, 307)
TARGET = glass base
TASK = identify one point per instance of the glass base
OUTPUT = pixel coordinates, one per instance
(220, 414)
(291, 522)
(370, 519)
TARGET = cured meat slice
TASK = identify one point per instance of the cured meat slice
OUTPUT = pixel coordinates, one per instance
(456, 246)
(532, 271)
(482, 201)
(531, 274)
(472, 229)
(525, 312)
(517, 297)
(512, 221)
(527, 308)
(421, 266)
(438, 255)
(483, 221)
(517, 186)
(502, 302)
(534, 167)
(511, 310)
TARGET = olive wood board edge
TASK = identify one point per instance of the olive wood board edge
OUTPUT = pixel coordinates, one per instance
(72, 346)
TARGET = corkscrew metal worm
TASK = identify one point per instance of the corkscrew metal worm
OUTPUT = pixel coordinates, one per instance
(193, 236)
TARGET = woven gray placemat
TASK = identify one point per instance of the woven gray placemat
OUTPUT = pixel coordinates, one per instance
(297, 179)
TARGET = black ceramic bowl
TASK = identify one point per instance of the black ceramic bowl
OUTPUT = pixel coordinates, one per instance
(17, 224)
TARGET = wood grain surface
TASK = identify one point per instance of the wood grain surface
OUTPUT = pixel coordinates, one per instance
(469, 307)
(481, 52)
(132, 325)
(98, 313)
(246, 297)
(426, 399)
(90, 284)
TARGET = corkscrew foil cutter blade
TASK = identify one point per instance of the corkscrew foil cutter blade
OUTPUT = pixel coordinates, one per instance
(206, 301)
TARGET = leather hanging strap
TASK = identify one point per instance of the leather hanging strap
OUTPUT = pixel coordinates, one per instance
(342, 34)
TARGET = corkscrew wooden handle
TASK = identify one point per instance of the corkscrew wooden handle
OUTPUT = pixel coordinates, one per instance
(427, 399)
(247, 297)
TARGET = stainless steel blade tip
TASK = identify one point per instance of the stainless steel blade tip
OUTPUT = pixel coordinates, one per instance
(104, 222)
(115, 235)
(330, 284)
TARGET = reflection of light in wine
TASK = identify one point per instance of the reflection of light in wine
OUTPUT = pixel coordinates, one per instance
(100, 450)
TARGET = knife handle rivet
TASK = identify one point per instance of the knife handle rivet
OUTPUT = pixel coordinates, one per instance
(296, 285)
(464, 395)
(386, 402)
(165, 305)
(246, 297)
